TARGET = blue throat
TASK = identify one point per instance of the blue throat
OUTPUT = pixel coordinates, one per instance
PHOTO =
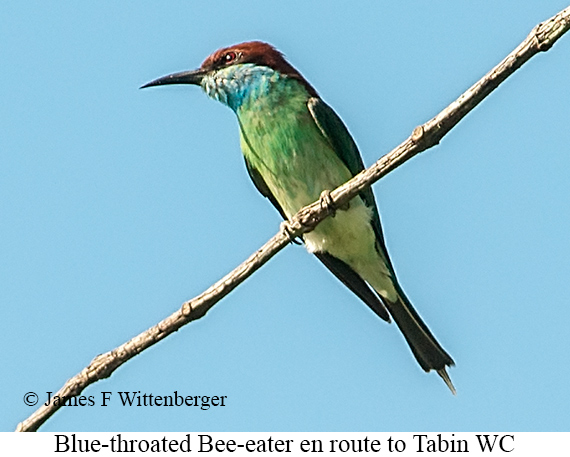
(239, 85)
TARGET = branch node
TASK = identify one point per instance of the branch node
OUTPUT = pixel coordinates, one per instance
(186, 309)
(417, 134)
(547, 32)
(424, 138)
(541, 40)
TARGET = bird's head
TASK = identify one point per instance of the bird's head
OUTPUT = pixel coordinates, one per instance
(231, 74)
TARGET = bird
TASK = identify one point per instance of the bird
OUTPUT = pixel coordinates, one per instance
(296, 149)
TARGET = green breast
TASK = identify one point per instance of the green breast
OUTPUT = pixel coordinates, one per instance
(280, 139)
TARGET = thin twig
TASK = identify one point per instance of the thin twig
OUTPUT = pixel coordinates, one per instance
(541, 38)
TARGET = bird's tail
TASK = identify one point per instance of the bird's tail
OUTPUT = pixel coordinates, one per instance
(428, 352)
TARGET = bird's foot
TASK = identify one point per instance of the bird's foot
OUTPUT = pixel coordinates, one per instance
(327, 203)
(288, 231)
(447, 380)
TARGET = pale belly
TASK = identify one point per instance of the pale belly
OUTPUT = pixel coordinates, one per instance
(349, 236)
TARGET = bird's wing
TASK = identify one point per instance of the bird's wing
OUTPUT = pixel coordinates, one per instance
(338, 136)
(262, 187)
(425, 347)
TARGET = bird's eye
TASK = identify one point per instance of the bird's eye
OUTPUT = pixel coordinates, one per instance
(229, 57)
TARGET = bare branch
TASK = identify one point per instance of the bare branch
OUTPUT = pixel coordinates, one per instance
(541, 38)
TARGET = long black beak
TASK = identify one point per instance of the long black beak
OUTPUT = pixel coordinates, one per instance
(183, 77)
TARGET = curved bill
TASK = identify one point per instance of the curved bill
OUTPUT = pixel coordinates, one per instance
(183, 77)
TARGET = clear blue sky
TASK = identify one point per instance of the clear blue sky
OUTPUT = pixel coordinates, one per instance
(117, 204)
